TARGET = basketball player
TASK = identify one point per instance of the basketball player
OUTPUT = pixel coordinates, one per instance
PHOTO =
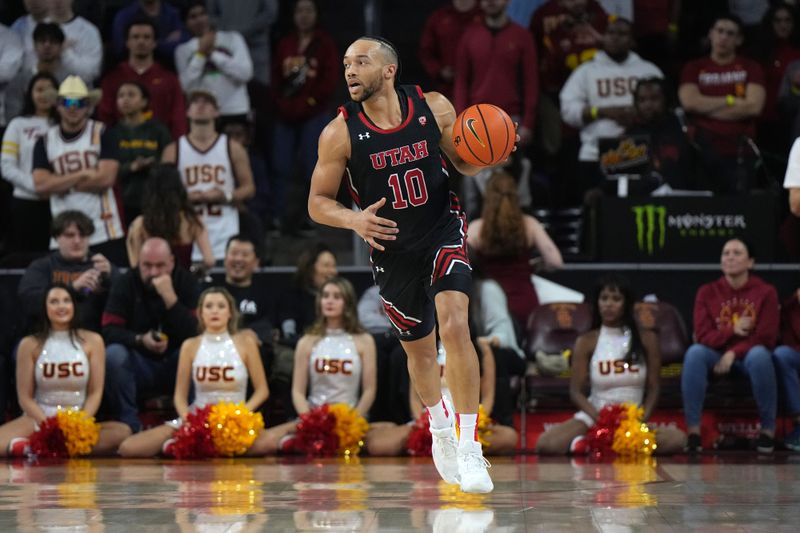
(391, 141)
(76, 165)
(215, 170)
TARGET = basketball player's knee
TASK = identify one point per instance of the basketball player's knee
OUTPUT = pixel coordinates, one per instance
(454, 329)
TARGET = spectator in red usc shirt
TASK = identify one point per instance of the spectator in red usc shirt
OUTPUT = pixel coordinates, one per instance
(567, 33)
(306, 69)
(496, 64)
(166, 96)
(437, 45)
(723, 95)
(735, 329)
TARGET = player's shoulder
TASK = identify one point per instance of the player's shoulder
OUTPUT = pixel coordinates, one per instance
(335, 136)
(436, 100)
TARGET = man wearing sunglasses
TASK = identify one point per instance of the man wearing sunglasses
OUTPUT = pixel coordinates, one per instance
(75, 164)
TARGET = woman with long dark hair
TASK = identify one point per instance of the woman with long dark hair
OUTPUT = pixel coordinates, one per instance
(167, 213)
(60, 366)
(504, 239)
(617, 363)
(30, 213)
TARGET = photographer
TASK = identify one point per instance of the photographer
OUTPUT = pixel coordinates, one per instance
(150, 312)
(90, 275)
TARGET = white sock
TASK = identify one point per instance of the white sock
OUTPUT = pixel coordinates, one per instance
(440, 416)
(468, 428)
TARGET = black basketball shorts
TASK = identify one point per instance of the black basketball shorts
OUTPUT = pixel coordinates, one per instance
(409, 281)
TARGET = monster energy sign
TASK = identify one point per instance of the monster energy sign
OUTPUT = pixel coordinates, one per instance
(682, 229)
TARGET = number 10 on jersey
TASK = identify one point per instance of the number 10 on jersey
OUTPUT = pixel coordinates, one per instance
(413, 182)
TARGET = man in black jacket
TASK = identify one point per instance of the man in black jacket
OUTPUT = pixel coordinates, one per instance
(150, 312)
(71, 264)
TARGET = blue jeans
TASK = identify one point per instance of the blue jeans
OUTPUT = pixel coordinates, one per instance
(757, 365)
(129, 373)
(294, 146)
(787, 366)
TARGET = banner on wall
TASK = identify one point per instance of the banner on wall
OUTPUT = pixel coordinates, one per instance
(683, 229)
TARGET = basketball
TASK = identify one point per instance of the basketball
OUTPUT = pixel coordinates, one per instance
(483, 135)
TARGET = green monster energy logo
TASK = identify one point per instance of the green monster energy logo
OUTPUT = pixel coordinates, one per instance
(648, 218)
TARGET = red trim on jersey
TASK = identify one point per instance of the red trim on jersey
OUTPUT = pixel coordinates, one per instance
(341, 109)
(203, 152)
(376, 129)
(419, 91)
(351, 189)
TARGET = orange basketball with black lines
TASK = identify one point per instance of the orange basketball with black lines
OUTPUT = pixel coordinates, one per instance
(484, 135)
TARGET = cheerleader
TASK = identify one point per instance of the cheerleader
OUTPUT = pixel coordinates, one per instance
(619, 363)
(218, 363)
(333, 361)
(59, 367)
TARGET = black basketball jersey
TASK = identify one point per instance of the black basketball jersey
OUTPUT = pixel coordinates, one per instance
(404, 165)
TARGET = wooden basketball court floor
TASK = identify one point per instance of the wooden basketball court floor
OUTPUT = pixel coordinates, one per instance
(718, 493)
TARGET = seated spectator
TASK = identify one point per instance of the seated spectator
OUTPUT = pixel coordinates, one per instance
(166, 22)
(787, 365)
(150, 312)
(443, 29)
(10, 62)
(296, 306)
(166, 97)
(671, 155)
(504, 239)
(735, 328)
(252, 299)
(29, 213)
(140, 141)
(42, 392)
(169, 214)
(335, 342)
(48, 42)
(83, 47)
(598, 96)
(723, 95)
(305, 73)
(615, 341)
(75, 164)
(215, 171)
(89, 275)
(216, 61)
(220, 346)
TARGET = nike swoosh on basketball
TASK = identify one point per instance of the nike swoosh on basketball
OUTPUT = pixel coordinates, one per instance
(471, 127)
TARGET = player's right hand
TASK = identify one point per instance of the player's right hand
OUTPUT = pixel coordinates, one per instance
(370, 226)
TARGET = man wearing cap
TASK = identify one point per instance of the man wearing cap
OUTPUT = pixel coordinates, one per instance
(215, 171)
(218, 61)
(75, 164)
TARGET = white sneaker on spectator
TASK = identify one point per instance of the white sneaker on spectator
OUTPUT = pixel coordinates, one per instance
(443, 450)
(472, 469)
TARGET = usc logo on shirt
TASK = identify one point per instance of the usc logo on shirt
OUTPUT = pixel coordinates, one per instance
(213, 373)
(204, 174)
(333, 366)
(62, 370)
(618, 366)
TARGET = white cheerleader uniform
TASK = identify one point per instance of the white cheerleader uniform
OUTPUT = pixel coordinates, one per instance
(218, 372)
(61, 374)
(612, 380)
(334, 370)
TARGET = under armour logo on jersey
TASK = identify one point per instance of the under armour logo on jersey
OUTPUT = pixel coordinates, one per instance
(423, 121)
(362, 136)
(379, 269)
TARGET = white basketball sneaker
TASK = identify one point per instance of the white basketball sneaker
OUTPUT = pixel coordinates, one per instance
(443, 450)
(472, 469)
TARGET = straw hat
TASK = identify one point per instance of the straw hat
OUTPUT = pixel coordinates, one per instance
(74, 87)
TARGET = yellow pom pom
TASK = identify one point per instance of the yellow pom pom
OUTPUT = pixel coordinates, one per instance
(633, 437)
(80, 431)
(234, 427)
(484, 426)
(350, 427)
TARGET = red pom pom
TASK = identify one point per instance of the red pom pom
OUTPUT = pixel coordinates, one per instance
(600, 437)
(193, 439)
(49, 441)
(315, 436)
(419, 440)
